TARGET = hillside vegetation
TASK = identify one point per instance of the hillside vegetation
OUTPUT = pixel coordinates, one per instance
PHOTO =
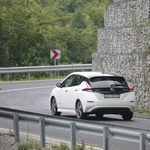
(29, 29)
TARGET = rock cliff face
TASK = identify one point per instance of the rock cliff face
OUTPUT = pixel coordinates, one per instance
(124, 45)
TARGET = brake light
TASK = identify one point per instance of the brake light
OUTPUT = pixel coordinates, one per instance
(88, 88)
(131, 88)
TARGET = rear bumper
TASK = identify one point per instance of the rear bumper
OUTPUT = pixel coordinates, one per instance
(126, 103)
(111, 110)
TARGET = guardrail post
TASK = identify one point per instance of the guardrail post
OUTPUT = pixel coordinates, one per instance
(105, 138)
(28, 75)
(7, 76)
(73, 135)
(142, 141)
(16, 127)
(42, 131)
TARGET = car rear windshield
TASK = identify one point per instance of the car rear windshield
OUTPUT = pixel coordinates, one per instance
(99, 82)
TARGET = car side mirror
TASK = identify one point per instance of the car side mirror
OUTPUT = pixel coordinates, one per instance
(58, 85)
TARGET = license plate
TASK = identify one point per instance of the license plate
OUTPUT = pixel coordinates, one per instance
(111, 95)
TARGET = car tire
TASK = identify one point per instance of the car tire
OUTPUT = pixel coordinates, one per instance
(127, 116)
(54, 107)
(79, 110)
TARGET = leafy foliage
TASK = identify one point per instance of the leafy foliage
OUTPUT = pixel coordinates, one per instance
(29, 29)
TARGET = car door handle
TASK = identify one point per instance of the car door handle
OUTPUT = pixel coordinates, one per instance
(76, 90)
(66, 91)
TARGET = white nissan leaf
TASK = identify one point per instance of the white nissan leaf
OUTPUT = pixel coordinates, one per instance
(85, 93)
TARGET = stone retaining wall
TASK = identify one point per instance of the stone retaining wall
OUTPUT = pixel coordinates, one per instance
(124, 45)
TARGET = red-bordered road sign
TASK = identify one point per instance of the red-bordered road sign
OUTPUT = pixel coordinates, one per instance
(55, 54)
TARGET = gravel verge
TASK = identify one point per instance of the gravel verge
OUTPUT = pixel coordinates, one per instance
(7, 142)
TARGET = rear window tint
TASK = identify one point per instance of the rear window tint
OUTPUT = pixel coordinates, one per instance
(107, 81)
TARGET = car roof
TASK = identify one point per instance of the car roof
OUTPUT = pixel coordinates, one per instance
(89, 74)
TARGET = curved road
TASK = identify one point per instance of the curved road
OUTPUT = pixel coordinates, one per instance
(34, 95)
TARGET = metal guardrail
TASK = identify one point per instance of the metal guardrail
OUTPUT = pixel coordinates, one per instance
(75, 125)
(50, 69)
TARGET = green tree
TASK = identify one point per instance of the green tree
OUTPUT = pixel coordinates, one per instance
(29, 29)
(19, 34)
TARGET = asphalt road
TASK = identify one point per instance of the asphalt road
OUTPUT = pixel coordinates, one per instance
(33, 96)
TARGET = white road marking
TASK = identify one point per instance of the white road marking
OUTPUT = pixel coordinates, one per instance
(21, 89)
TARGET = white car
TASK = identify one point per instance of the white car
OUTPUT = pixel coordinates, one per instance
(84, 93)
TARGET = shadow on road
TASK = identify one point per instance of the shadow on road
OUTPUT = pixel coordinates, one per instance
(94, 118)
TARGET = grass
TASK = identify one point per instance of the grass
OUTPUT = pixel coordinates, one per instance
(34, 145)
(62, 146)
(29, 145)
(11, 133)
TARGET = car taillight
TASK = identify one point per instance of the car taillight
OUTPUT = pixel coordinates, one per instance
(131, 88)
(88, 89)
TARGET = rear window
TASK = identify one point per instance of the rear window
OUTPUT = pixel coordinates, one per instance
(98, 82)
